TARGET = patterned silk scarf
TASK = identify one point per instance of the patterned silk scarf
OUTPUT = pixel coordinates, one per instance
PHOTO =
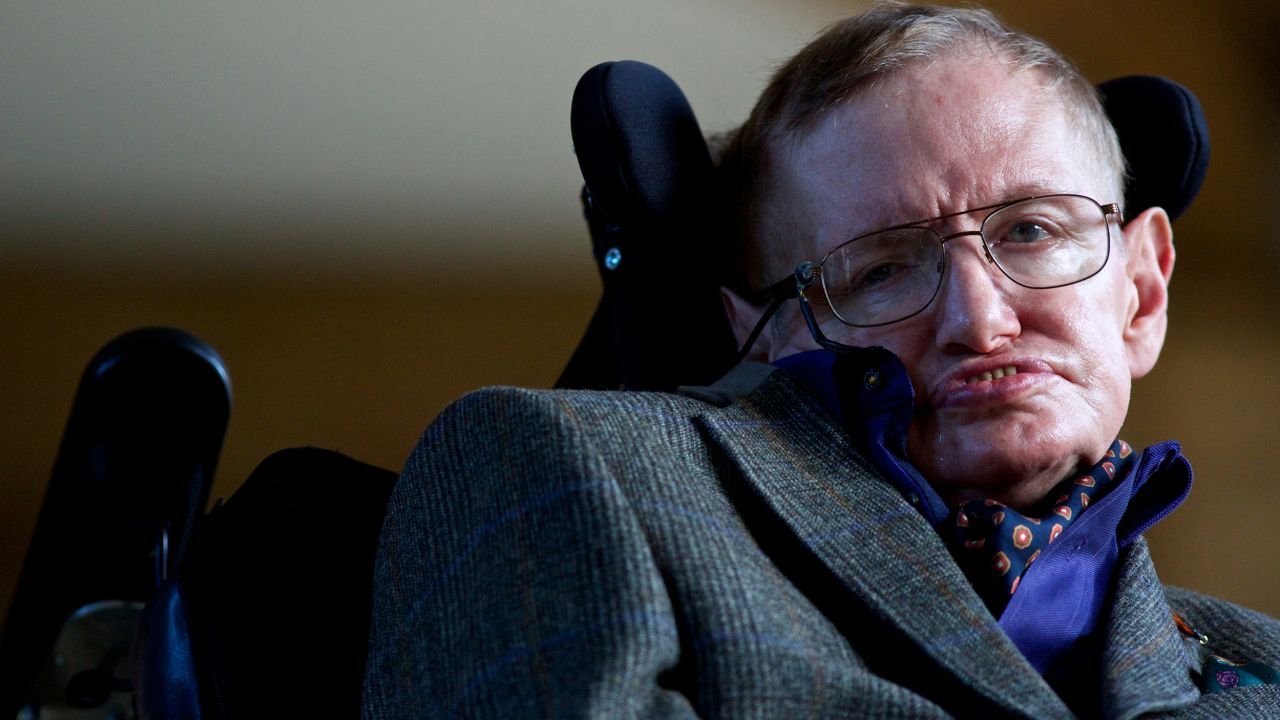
(995, 544)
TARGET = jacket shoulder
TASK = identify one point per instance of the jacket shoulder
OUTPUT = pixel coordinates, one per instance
(740, 382)
(534, 412)
(505, 399)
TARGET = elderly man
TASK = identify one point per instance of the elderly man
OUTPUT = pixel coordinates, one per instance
(917, 505)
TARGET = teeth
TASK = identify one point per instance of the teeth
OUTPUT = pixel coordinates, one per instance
(993, 375)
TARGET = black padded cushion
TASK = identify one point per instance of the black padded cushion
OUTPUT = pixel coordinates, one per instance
(650, 201)
(1165, 140)
(278, 587)
(639, 146)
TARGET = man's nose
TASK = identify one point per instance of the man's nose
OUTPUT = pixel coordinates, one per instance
(973, 313)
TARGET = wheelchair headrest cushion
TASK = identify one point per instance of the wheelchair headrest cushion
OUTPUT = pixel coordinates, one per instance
(1165, 140)
(641, 151)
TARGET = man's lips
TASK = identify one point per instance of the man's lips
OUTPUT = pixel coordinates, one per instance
(990, 381)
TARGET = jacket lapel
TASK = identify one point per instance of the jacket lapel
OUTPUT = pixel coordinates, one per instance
(880, 548)
(1147, 666)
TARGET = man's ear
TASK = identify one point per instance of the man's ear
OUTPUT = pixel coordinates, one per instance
(743, 317)
(1149, 256)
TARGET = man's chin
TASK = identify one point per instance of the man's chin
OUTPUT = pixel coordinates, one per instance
(994, 475)
(1016, 458)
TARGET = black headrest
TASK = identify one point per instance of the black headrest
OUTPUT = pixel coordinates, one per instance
(638, 144)
(649, 201)
(651, 206)
(1164, 138)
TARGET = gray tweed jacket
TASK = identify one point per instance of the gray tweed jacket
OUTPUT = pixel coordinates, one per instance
(723, 553)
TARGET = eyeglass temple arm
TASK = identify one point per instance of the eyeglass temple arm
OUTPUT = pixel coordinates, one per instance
(803, 279)
(805, 276)
(778, 294)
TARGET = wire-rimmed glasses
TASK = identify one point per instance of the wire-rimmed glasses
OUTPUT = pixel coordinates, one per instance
(889, 275)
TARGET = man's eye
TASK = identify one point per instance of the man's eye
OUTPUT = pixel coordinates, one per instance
(876, 275)
(1026, 232)
(879, 274)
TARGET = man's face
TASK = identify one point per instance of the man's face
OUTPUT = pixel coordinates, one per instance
(959, 134)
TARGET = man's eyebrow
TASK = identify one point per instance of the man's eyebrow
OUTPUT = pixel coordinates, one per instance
(1039, 186)
(884, 217)
(1011, 193)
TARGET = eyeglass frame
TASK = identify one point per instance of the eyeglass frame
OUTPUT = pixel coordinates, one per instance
(806, 273)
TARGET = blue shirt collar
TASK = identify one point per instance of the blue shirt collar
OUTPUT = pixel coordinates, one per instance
(870, 394)
(1061, 599)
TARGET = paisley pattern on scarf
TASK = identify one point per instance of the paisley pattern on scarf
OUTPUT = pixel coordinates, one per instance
(995, 544)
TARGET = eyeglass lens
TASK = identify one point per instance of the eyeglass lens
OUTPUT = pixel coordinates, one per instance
(891, 275)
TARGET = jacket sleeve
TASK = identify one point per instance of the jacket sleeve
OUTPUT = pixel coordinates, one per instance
(513, 580)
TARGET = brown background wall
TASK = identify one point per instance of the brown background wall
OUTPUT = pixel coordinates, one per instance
(359, 355)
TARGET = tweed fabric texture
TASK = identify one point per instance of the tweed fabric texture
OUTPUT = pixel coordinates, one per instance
(552, 554)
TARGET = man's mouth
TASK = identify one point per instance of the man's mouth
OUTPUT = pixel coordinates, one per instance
(990, 383)
(993, 375)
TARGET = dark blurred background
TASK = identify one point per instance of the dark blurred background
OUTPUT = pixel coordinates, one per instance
(370, 209)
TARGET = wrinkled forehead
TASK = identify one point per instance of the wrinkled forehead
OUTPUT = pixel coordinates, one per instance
(932, 139)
